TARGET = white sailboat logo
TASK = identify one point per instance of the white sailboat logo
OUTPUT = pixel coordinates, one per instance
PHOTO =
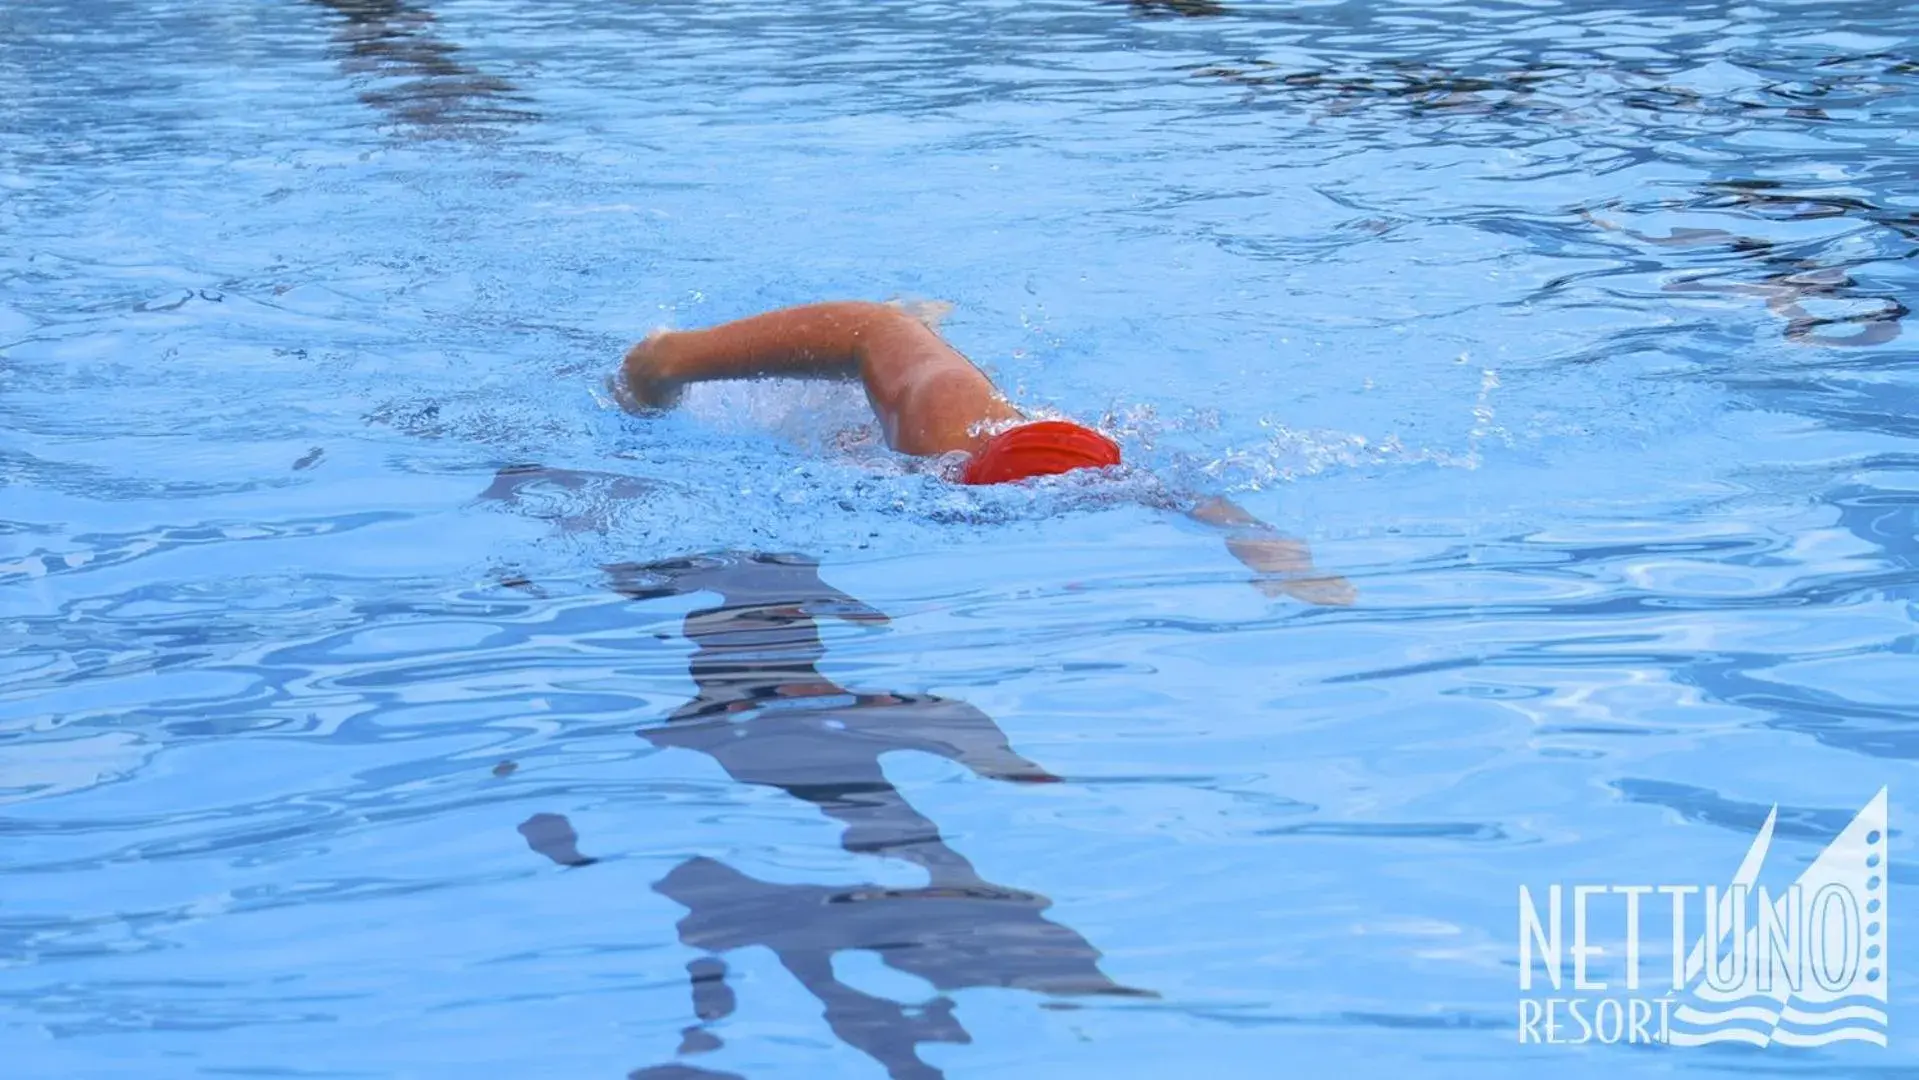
(1808, 967)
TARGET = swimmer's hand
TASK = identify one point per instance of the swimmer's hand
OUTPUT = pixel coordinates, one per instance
(642, 383)
(1281, 565)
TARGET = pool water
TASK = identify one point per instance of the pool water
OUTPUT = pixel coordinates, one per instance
(377, 700)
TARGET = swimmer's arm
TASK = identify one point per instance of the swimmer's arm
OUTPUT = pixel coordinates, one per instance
(928, 397)
(1283, 565)
(816, 341)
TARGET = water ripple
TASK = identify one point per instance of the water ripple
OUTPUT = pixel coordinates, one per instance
(364, 697)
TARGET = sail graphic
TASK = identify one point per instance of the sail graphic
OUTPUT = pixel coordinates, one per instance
(1805, 966)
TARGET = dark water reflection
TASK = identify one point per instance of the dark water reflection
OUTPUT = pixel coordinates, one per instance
(1191, 9)
(1784, 276)
(413, 74)
(767, 715)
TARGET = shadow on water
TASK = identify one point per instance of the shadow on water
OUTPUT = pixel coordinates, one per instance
(414, 75)
(767, 715)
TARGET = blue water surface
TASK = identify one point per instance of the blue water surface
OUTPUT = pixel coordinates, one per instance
(1574, 334)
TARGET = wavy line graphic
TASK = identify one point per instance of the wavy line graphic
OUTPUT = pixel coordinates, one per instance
(1768, 1014)
(1853, 865)
(1832, 1016)
(1786, 1037)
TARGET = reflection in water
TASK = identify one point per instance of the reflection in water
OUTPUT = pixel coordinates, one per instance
(1569, 89)
(1789, 278)
(552, 835)
(767, 715)
(1420, 87)
(1705, 805)
(573, 500)
(412, 73)
(1191, 9)
(1560, 93)
(953, 938)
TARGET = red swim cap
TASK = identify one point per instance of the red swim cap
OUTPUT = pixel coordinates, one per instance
(1041, 448)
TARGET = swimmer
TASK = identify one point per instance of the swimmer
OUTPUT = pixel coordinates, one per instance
(931, 401)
